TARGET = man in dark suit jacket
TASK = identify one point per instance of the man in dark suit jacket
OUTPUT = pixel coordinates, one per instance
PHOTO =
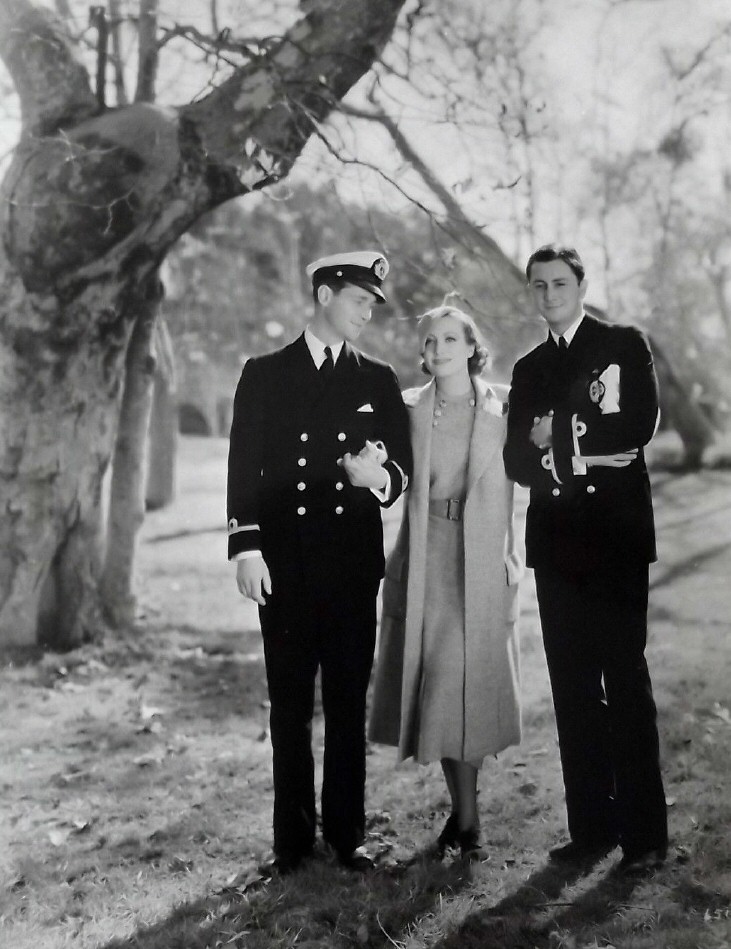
(319, 442)
(582, 406)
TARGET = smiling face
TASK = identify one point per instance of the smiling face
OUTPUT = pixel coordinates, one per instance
(341, 316)
(445, 349)
(557, 293)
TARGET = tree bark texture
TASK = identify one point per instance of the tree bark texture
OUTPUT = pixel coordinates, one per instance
(163, 431)
(129, 464)
(58, 398)
(91, 203)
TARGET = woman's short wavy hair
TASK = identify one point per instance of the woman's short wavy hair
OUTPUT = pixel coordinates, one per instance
(481, 356)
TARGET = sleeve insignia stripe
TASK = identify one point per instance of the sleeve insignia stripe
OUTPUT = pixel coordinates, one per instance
(235, 528)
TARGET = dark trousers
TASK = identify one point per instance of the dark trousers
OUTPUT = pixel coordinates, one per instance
(334, 631)
(595, 632)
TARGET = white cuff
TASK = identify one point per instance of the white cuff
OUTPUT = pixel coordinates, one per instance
(246, 555)
(385, 492)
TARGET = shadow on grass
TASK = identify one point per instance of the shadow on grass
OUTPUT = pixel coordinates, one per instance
(527, 918)
(319, 905)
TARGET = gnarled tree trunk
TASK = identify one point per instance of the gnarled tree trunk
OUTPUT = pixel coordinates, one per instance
(163, 432)
(89, 207)
(58, 399)
(127, 496)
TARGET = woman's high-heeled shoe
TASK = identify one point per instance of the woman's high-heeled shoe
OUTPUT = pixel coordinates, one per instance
(469, 844)
(449, 836)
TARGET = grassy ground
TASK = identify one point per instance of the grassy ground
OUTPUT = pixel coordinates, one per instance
(135, 788)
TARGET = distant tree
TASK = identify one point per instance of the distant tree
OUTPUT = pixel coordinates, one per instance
(91, 203)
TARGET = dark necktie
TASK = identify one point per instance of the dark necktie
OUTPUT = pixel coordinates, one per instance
(562, 344)
(327, 366)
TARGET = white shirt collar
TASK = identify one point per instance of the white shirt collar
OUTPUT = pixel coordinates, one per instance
(568, 335)
(317, 348)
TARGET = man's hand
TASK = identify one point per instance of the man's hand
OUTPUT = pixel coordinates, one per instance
(364, 470)
(252, 578)
(542, 432)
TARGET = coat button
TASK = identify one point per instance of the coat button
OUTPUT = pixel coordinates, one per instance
(339, 509)
(341, 436)
(339, 485)
(556, 492)
(301, 510)
(301, 462)
(301, 486)
(590, 489)
(304, 436)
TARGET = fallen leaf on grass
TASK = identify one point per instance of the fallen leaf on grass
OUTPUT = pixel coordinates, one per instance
(720, 711)
(71, 776)
(146, 712)
(65, 685)
(150, 728)
(243, 880)
(180, 865)
(149, 758)
(77, 825)
(91, 666)
(59, 835)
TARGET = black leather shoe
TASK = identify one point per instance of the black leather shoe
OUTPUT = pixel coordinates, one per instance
(449, 836)
(577, 852)
(470, 847)
(638, 864)
(358, 860)
(282, 864)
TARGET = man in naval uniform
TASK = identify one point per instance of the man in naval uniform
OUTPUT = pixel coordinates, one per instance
(582, 406)
(319, 443)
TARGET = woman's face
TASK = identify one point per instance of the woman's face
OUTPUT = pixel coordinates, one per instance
(444, 347)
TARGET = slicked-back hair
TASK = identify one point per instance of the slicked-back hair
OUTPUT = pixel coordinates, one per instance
(548, 252)
(335, 285)
(481, 356)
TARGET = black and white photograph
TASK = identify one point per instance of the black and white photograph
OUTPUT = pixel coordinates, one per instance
(365, 468)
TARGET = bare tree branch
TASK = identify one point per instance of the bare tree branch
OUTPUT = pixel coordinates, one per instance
(115, 25)
(148, 55)
(52, 85)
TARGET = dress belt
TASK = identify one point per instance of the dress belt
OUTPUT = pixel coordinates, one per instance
(451, 508)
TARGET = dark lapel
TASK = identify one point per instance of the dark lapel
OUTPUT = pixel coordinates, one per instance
(302, 388)
(550, 361)
(348, 363)
(584, 346)
(554, 365)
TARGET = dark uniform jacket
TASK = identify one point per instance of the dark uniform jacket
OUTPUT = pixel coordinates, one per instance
(603, 394)
(287, 496)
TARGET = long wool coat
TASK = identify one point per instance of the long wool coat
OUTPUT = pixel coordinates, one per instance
(492, 570)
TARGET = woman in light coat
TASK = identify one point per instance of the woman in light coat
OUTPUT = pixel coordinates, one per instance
(447, 678)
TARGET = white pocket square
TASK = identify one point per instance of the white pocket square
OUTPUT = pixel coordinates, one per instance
(366, 408)
(609, 402)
